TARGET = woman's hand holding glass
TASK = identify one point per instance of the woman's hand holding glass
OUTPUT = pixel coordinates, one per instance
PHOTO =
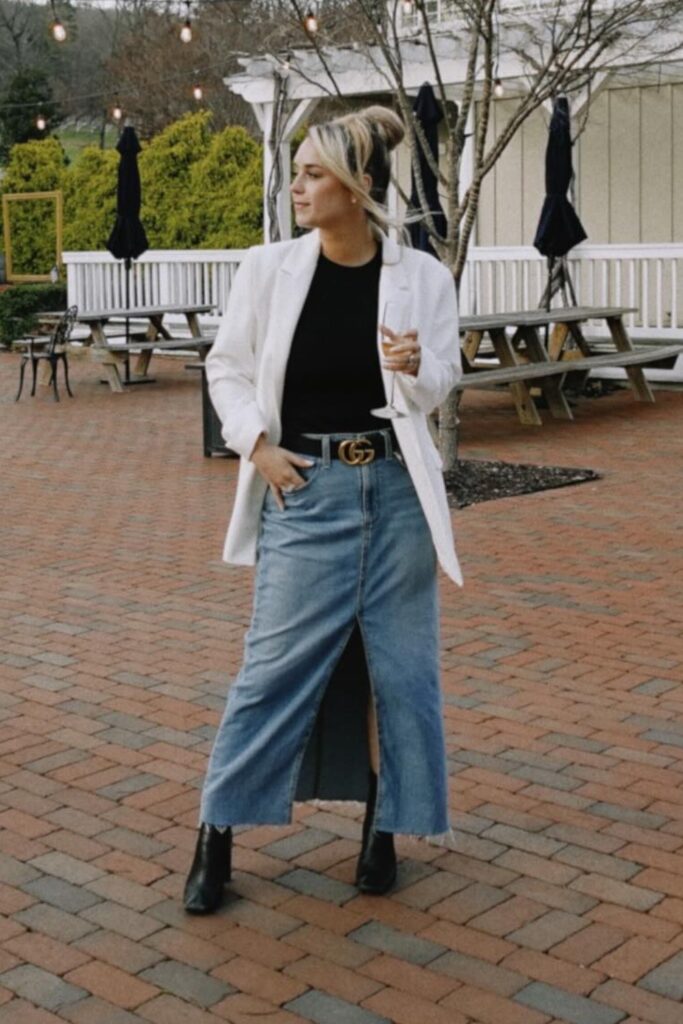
(277, 466)
(401, 351)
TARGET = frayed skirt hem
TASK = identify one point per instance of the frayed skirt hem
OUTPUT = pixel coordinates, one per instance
(446, 839)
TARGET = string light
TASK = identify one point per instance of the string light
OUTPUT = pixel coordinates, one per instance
(407, 6)
(57, 29)
(186, 30)
(117, 111)
(197, 90)
(311, 22)
(498, 89)
(41, 123)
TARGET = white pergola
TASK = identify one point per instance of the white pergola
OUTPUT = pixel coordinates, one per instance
(283, 90)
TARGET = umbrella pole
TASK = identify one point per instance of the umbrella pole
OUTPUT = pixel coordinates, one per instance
(548, 299)
(127, 321)
(569, 284)
(564, 283)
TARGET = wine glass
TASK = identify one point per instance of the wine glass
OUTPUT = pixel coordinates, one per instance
(392, 317)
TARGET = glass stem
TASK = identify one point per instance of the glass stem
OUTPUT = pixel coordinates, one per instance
(391, 393)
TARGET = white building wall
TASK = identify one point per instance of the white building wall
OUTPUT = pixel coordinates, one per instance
(627, 188)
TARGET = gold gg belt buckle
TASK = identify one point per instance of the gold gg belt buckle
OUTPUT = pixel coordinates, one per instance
(356, 451)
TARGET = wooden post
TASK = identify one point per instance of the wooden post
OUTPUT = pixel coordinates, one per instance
(622, 343)
(264, 113)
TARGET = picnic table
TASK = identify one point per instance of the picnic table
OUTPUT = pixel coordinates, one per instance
(518, 354)
(156, 336)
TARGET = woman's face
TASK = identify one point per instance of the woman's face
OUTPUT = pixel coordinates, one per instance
(320, 200)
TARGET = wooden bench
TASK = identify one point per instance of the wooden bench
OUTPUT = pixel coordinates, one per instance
(120, 353)
(544, 372)
(522, 356)
(161, 344)
(533, 371)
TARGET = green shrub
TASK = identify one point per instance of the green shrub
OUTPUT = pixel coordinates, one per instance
(201, 191)
(166, 173)
(227, 192)
(20, 304)
(90, 199)
(36, 166)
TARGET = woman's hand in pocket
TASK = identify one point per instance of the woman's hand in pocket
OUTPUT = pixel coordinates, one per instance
(277, 466)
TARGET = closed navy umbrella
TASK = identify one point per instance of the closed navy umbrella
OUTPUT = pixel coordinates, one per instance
(559, 228)
(429, 114)
(128, 240)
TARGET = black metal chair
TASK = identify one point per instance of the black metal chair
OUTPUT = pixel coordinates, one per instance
(53, 350)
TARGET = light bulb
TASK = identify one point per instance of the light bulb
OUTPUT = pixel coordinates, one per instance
(117, 112)
(498, 89)
(311, 23)
(58, 31)
(197, 92)
(41, 123)
(186, 32)
(407, 6)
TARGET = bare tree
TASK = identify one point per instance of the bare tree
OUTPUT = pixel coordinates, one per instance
(20, 25)
(131, 50)
(73, 67)
(155, 74)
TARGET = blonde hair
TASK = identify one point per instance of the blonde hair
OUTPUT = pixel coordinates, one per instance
(360, 144)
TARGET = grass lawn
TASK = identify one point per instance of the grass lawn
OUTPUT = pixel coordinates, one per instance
(75, 139)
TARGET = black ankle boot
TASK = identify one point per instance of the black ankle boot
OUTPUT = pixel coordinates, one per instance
(209, 872)
(376, 871)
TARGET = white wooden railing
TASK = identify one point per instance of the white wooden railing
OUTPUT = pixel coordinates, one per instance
(161, 277)
(647, 277)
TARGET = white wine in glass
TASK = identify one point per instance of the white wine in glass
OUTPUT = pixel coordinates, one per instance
(392, 317)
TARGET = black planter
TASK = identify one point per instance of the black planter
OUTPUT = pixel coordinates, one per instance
(211, 425)
(213, 439)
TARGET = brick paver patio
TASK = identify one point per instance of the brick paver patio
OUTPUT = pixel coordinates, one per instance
(563, 658)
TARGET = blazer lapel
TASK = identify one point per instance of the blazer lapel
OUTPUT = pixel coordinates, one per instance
(292, 282)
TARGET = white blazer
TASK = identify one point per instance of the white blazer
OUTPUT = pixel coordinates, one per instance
(246, 367)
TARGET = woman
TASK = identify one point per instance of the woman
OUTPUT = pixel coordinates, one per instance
(343, 512)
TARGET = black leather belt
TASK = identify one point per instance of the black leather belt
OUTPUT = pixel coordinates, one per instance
(356, 450)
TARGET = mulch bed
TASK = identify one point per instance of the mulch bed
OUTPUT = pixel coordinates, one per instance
(476, 480)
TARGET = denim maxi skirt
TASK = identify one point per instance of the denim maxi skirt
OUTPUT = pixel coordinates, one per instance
(345, 596)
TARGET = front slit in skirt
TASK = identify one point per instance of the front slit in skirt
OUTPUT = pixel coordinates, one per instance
(345, 605)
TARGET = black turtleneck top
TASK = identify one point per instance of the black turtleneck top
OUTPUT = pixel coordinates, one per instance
(333, 375)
